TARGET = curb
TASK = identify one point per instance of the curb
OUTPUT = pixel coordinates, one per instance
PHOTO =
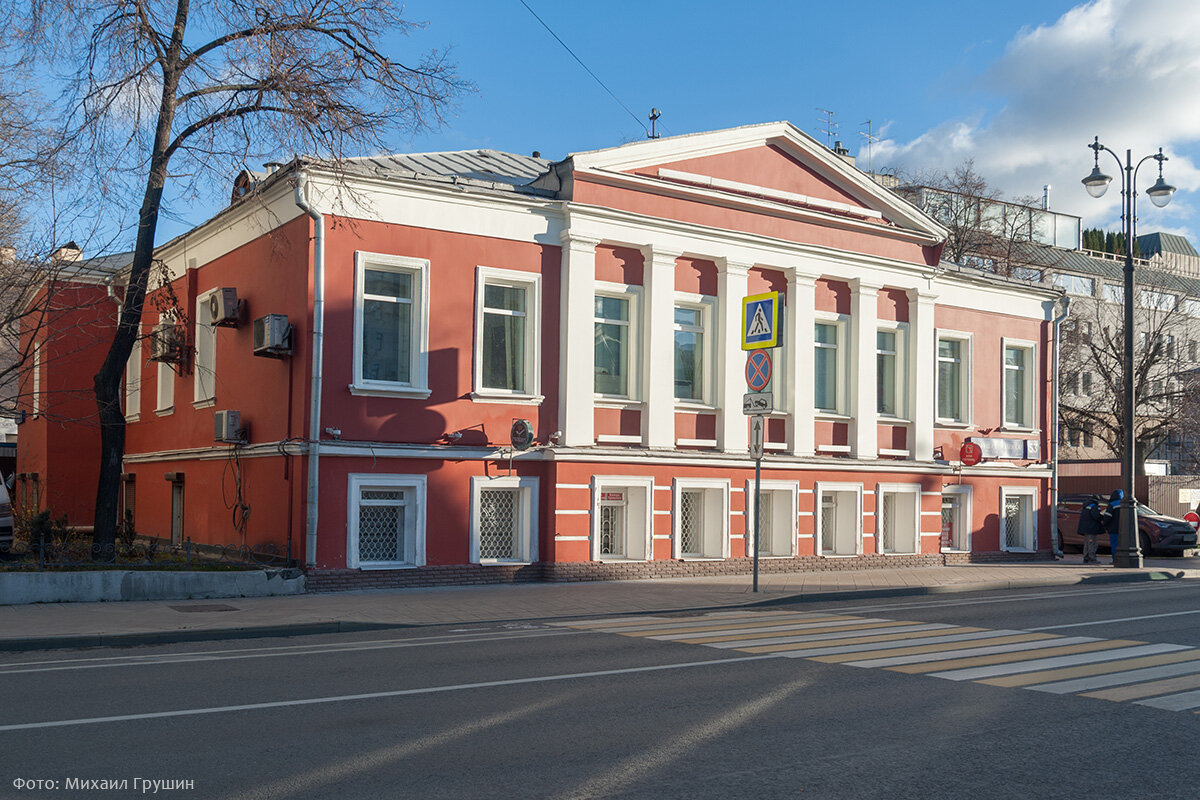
(345, 626)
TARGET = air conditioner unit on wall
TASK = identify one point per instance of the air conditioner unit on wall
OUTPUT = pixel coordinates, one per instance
(227, 426)
(166, 342)
(272, 336)
(224, 308)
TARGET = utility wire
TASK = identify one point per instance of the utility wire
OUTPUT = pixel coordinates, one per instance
(636, 118)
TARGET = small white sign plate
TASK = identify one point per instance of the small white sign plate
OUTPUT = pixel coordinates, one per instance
(758, 403)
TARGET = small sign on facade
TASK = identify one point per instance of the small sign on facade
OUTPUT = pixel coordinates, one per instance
(758, 403)
(760, 321)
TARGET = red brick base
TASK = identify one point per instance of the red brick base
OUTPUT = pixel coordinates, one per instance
(336, 580)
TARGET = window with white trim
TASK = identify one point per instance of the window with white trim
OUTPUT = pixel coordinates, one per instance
(391, 325)
(839, 519)
(693, 351)
(953, 378)
(616, 344)
(1114, 293)
(133, 382)
(622, 521)
(204, 372)
(829, 359)
(1160, 301)
(700, 518)
(1075, 284)
(385, 521)
(1019, 372)
(890, 371)
(1018, 518)
(898, 518)
(166, 388)
(778, 518)
(504, 520)
(507, 333)
(956, 517)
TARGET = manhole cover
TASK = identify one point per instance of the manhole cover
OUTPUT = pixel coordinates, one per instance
(203, 607)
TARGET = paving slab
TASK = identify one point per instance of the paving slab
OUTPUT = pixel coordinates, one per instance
(59, 625)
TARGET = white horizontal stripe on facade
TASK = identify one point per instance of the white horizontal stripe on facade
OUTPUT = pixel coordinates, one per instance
(1093, 657)
(930, 534)
(805, 513)
(571, 538)
(931, 494)
(804, 491)
(662, 513)
(696, 442)
(736, 489)
(571, 511)
(662, 536)
(931, 513)
(807, 535)
(886, 452)
(572, 486)
(613, 438)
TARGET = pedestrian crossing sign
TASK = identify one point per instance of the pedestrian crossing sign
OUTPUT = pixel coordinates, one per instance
(760, 321)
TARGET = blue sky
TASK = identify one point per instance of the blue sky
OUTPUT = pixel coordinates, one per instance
(1019, 86)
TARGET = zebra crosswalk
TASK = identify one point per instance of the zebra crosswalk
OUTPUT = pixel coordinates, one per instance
(1157, 675)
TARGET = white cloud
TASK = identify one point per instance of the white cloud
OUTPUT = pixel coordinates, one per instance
(1126, 70)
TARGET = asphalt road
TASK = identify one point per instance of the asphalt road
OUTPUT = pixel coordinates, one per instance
(973, 696)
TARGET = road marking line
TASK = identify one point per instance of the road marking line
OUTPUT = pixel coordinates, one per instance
(1097, 654)
(1089, 670)
(727, 634)
(660, 631)
(861, 649)
(847, 637)
(645, 619)
(1136, 691)
(1116, 678)
(188, 712)
(1173, 702)
(1117, 619)
(952, 650)
(1063, 646)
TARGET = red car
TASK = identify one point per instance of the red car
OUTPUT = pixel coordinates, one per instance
(1156, 533)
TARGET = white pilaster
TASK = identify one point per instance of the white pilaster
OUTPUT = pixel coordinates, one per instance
(577, 356)
(798, 350)
(732, 283)
(922, 375)
(658, 366)
(864, 322)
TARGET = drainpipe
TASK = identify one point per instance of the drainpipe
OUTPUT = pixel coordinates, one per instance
(1058, 321)
(318, 345)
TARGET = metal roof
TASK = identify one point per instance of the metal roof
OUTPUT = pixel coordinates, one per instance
(1153, 243)
(487, 168)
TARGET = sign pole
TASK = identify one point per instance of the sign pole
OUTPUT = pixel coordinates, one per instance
(757, 515)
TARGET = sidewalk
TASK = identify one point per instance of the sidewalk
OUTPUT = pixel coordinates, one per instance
(59, 625)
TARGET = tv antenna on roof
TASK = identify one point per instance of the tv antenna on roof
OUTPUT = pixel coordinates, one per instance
(871, 138)
(831, 127)
(654, 115)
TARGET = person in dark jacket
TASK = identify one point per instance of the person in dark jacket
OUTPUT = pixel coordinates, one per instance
(1090, 526)
(1112, 519)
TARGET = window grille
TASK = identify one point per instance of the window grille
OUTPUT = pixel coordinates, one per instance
(950, 522)
(828, 521)
(887, 524)
(610, 530)
(498, 516)
(1015, 522)
(381, 518)
(691, 521)
(765, 524)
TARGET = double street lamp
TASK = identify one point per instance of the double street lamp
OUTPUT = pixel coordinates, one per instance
(1127, 553)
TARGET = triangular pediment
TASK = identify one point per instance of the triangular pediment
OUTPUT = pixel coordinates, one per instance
(772, 163)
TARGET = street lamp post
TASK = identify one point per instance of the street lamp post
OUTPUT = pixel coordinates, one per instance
(1128, 554)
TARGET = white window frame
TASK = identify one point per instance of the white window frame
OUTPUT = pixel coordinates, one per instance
(531, 282)
(900, 329)
(1075, 284)
(639, 513)
(784, 495)
(418, 268)
(964, 494)
(913, 490)
(1156, 300)
(1032, 493)
(133, 382)
(966, 364)
(706, 305)
(819, 491)
(204, 365)
(716, 504)
(414, 534)
(1114, 293)
(527, 510)
(1029, 401)
(841, 324)
(633, 296)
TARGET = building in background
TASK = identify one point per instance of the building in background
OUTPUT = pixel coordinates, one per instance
(350, 371)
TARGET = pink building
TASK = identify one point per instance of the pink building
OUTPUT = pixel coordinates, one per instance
(439, 299)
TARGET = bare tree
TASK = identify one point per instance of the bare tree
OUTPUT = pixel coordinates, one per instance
(1091, 390)
(176, 90)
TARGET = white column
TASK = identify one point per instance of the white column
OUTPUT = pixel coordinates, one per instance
(798, 397)
(658, 354)
(922, 373)
(732, 283)
(577, 356)
(864, 322)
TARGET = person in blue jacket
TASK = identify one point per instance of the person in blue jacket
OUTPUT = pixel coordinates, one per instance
(1112, 519)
